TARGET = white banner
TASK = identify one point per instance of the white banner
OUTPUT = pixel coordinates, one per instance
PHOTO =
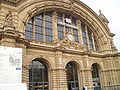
(10, 65)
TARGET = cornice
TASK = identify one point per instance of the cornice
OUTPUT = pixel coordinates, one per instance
(54, 47)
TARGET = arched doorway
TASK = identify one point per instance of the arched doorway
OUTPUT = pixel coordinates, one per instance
(72, 76)
(38, 75)
(96, 76)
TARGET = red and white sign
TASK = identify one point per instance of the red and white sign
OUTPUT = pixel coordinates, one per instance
(68, 20)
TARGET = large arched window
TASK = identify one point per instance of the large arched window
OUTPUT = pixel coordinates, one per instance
(72, 77)
(87, 37)
(66, 24)
(38, 76)
(39, 27)
(96, 76)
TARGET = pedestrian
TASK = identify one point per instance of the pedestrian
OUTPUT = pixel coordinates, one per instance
(84, 87)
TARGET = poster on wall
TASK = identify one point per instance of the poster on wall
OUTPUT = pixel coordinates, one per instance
(10, 65)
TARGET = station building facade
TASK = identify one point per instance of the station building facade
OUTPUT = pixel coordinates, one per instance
(65, 44)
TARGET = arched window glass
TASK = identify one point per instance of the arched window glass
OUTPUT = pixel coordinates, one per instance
(38, 76)
(96, 77)
(75, 30)
(84, 37)
(48, 27)
(40, 28)
(60, 27)
(90, 39)
(72, 77)
(29, 29)
(66, 24)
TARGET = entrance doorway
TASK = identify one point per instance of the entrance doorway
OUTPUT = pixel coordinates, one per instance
(72, 77)
(38, 76)
(96, 76)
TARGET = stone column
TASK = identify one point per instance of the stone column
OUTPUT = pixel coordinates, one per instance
(87, 37)
(87, 78)
(79, 32)
(59, 74)
(54, 26)
(86, 73)
(93, 42)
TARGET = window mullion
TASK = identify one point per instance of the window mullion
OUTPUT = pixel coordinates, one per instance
(79, 31)
(54, 26)
(93, 41)
(43, 29)
(63, 17)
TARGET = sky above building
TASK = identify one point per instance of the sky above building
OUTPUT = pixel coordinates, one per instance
(111, 9)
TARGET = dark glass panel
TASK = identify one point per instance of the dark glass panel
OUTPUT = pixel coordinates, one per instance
(38, 22)
(95, 77)
(74, 22)
(48, 27)
(28, 35)
(38, 76)
(38, 36)
(84, 35)
(48, 24)
(39, 27)
(75, 33)
(72, 77)
(48, 17)
(67, 29)
(60, 31)
(28, 29)
(59, 17)
(90, 39)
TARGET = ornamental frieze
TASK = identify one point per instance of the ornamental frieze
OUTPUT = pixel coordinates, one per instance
(66, 44)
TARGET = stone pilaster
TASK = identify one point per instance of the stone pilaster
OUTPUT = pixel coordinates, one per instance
(54, 26)
(59, 74)
(79, 32)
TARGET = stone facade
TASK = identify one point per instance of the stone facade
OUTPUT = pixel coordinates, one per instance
(14, 15)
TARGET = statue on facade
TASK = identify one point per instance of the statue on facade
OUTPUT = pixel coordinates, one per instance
(9, 21)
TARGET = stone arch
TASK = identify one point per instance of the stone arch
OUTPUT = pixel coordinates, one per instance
(73, 75)
(77, 8)
(76, 62)
(98, 64)
(46, 60)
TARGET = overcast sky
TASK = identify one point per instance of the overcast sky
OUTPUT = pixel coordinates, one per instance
(111, 9)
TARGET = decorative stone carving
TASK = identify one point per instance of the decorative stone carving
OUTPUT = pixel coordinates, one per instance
(66, 44)
(9, 22)
(104, 19)
(14, 35)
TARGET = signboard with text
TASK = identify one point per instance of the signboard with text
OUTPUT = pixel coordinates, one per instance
(10, 65)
